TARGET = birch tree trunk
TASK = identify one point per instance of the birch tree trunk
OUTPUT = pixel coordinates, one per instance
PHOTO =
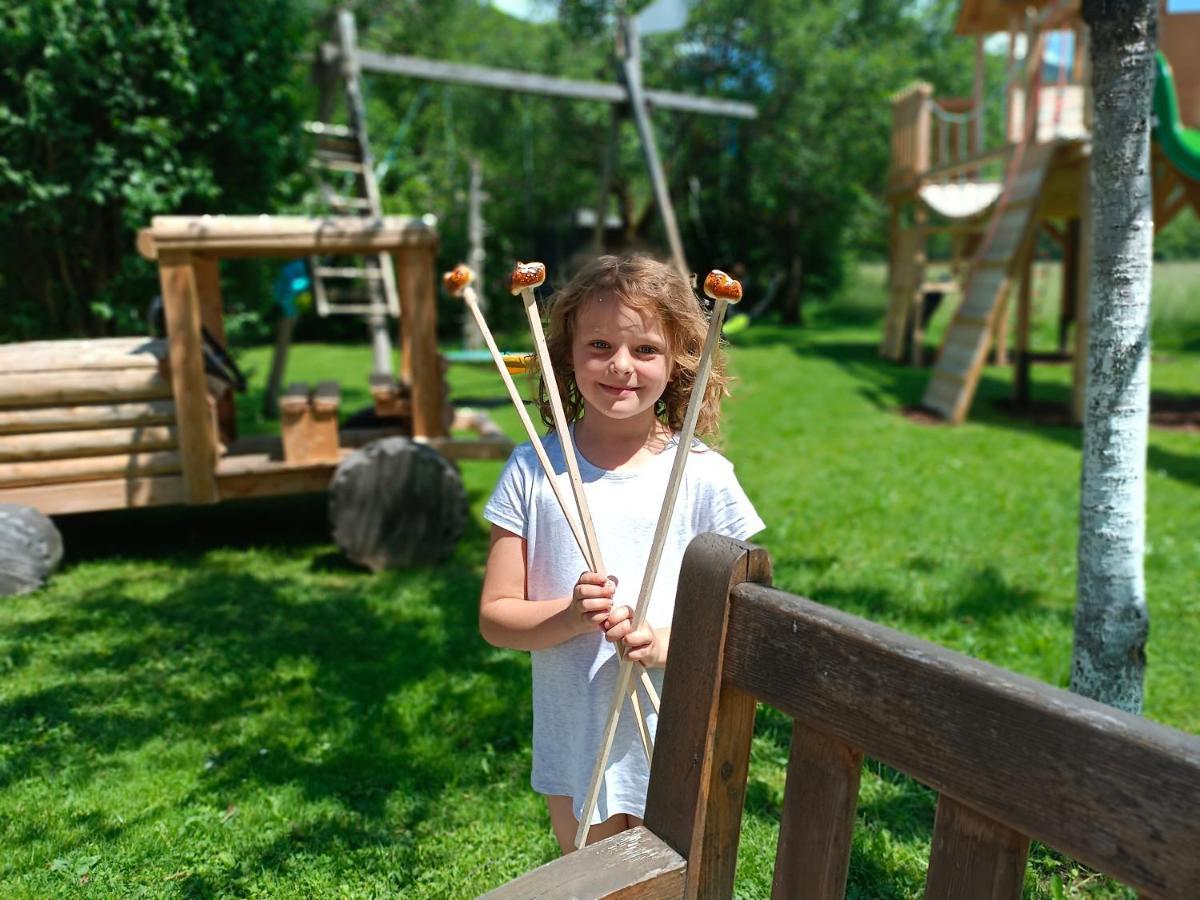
(1111, 620)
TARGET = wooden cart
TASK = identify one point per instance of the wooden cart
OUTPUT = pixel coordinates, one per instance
(107, 424)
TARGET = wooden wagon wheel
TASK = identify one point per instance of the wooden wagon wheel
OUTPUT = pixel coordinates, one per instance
(396, 503)
(30, 549)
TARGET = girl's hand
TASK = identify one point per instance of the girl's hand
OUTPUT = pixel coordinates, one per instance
(646, 645)
(591, 600)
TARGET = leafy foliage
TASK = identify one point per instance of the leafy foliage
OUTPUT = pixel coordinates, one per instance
(112, 111)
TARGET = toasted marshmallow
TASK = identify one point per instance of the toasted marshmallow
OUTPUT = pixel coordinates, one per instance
(720, 286)
(456, 280)
(526, 276)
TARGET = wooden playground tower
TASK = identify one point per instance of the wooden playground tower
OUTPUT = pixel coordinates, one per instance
(994, 201)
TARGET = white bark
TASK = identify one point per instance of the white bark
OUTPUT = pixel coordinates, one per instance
(1111, 619)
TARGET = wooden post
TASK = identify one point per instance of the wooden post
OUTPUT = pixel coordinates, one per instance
(1070, 283)
(208, 289)
(606, 174)
(1024, 318)
(197, 442)
(977, 95)
(974, 856)
(418, 303)
(631, 68)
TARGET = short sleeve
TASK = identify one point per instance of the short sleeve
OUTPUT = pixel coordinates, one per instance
(508, 506)
(730, 511)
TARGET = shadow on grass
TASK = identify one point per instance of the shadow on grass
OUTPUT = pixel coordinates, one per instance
(364, 693)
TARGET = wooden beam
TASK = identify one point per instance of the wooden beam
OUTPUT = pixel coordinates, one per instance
(94, 442)
(249, 236)
(87, 416)
(631, 71)
(89, 468)
(73, 386)
(532, 83)
(421, 361)
(197, 441)
(89, 496)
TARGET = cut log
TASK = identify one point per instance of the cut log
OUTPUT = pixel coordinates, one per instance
(86, 416)
(81, 386)
(97, 442)
(96, 353)
(396, 503)
(30, 549)
(52, 471)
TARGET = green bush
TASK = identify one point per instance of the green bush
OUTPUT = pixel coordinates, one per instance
(112, 111)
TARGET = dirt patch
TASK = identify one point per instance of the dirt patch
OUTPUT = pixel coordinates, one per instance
(921, 415)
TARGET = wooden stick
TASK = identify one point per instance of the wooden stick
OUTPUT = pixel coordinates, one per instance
(525, 282)
(686, 433)
(468, 295)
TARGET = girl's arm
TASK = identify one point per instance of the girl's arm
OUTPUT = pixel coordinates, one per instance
(508, 619)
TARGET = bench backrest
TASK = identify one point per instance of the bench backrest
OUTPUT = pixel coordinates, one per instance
(1012, 758)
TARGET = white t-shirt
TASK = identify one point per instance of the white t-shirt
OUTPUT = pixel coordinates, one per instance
(573, 682)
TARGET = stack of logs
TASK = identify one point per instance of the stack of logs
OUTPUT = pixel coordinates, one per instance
(83, 410)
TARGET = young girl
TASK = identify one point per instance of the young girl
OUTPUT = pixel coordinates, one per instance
(625, 338)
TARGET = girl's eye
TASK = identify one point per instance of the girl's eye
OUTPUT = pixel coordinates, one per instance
(648, 349)
(599, 345)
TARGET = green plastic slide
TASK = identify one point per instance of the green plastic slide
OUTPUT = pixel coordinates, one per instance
(1182, 145)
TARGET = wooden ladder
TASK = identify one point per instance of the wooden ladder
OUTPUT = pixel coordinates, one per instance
(345, 174)
(995, 266)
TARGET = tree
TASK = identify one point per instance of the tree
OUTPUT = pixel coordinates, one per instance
(1111, 619)
(112, 111)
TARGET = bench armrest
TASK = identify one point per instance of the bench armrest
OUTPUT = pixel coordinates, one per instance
(633, 863)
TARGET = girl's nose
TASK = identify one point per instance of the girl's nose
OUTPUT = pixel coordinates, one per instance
(620, 362)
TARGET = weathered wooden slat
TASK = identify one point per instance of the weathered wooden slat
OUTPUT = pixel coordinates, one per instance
(96, 442)
(74, 386)
(93, 415)
(89, 496)
(87, 468)
(633, 864)
(1115, 791)
(817, 826)
(973, 856)
(96, 353)
(698, 775)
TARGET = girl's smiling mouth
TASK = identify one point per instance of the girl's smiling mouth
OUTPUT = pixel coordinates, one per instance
(617, 390)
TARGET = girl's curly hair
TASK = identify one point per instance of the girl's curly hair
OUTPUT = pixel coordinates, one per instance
(644, 284)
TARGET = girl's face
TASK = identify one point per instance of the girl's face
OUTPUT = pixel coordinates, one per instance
(620, 359)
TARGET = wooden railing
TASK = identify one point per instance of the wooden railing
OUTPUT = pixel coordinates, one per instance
(1011, 758)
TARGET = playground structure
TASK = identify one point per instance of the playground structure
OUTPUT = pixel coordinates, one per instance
(345, 62)
(123, 422)
(993, 202)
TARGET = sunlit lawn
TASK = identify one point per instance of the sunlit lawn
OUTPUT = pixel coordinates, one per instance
(211, 703)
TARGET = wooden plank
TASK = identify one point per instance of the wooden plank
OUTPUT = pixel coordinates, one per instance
(531, 83)
(817, 825)
(96, 353)
(633, 864)
(90, 496)
(74, 386)
(249, 236)
(973, 856)
(94, 442)
(260, 475)
(89, 468)
(197, 440)
(1112, 790)
(94, 415)
(464, 448)
(421, 361)
(698, 776)
(631, 72)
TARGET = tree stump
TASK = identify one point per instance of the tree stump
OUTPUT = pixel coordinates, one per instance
(30, 549)
(396, 503)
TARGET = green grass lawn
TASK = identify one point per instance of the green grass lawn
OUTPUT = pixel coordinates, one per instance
(210, 703)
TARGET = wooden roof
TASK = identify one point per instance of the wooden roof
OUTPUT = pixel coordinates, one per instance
(991, 16)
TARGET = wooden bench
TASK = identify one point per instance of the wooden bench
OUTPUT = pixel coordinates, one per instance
(1012, 758)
